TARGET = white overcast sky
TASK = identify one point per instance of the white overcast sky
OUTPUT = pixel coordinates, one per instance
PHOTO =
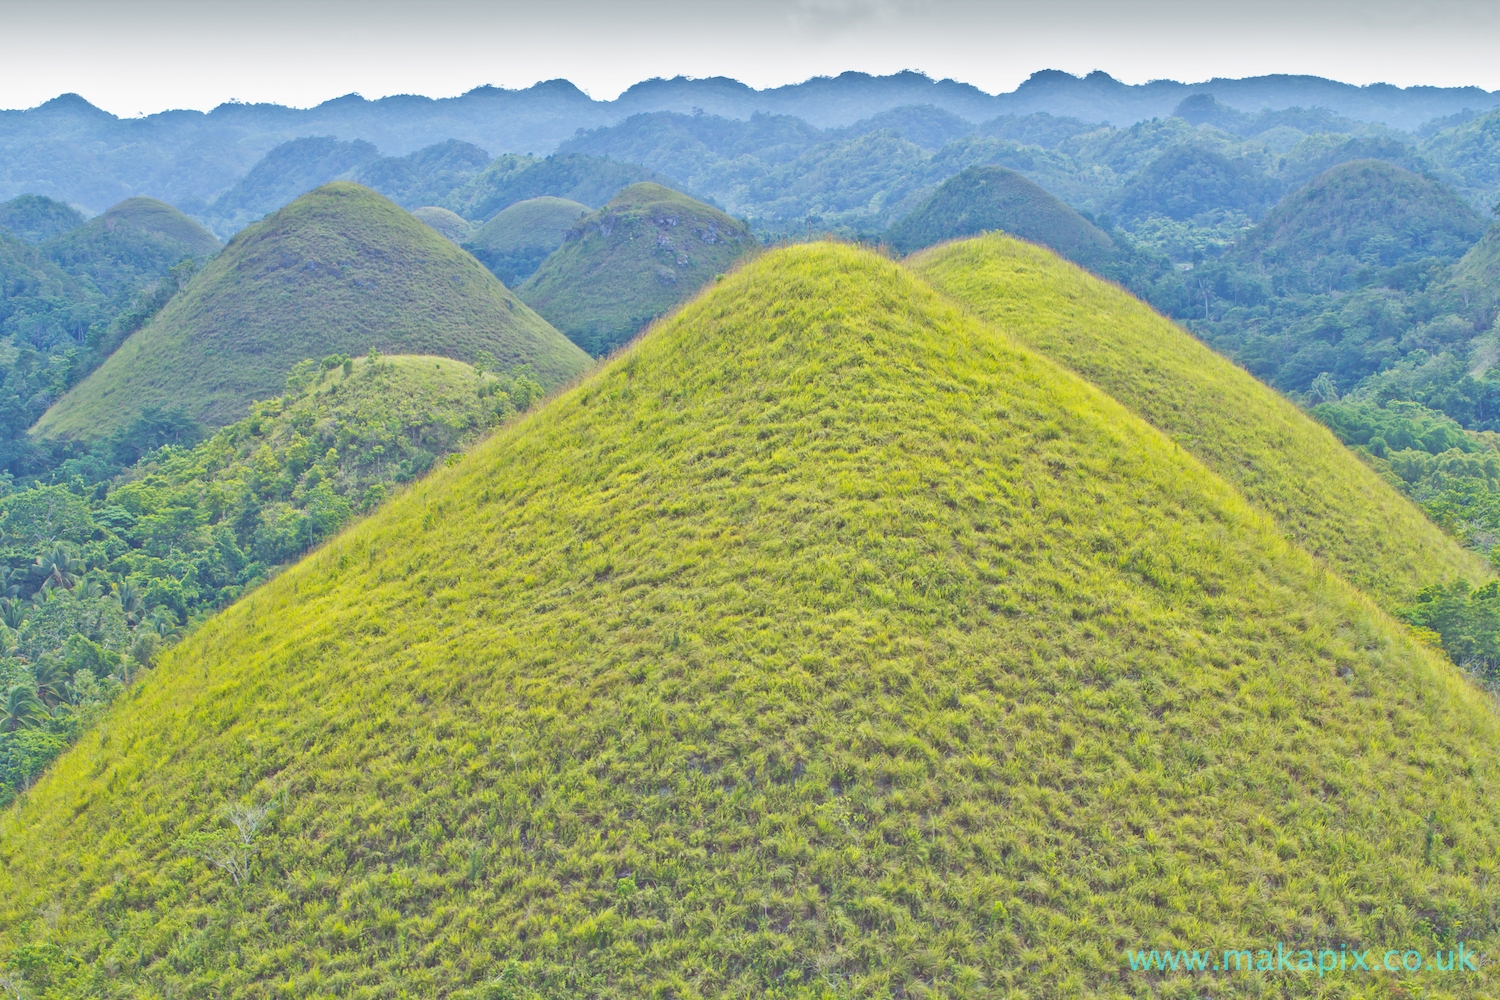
(135, 58)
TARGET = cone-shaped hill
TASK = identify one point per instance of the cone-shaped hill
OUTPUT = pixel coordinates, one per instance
(984, 199)
(853, 643)
(1285, 463)
(340, 270)
(453, 227)
(34, 218)
(132, 243)
(514, 243)
(1473, 287)
(1365, 213)
(636, 258)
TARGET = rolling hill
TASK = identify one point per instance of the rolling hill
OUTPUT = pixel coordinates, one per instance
(514, 243)
(592, 180)
(1284, 463)
(130, 245)
(1357, 215)
(645, 251)
(453, 227)
(33, 218)
(982, 199)
(856, 649)
(340, 270)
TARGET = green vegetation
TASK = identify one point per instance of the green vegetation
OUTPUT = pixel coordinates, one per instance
(282, 175)
(633, 260)
(339, 271)
(131, 245)
(1321, 496)
(828, 642)
(514, 243)
(1334, 278)
(33, 218)
(453, 227)
(592, 180)
(96, 576)
(983, 199)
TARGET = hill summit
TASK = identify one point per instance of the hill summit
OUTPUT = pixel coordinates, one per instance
(646, 250)
(132, 243)
(340, 270)
(856, 649)
(982, 199)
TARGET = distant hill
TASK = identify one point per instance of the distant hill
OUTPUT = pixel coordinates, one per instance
(1188, 180)
(591, 180)
(426, 177)
(1357, 215)
(130, 245)
(1320, 495)
(339, 270)
(33, 218)
(982, 199)
(285, 173)
(828, 642)
(1472, 289)
(645, 251)
(930, 127)
(514, 243)
(455, 228)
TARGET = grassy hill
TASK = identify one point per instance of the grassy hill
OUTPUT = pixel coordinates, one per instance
(130, 245)
(514, 243)
(983, 199)
(592, 180)
(287, 171)
(633, 260)
(340, 270)
(454, 227)
(34, 218)
(855, 650)
(1286, 464)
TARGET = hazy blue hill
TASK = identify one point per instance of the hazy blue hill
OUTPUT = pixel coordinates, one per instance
(861, 183)
(1189, 180)
(987, 199)
(1321, 152)
(454, 227)
(284, 174)
(428, 176)
(340, 270)
(592, 180)
(34, 218)
(641, 254)
(693, 148)
(130, 245)
(1036, 129)
(928, 126)
(514, 243)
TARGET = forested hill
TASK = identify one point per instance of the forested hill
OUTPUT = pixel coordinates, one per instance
(71, 150)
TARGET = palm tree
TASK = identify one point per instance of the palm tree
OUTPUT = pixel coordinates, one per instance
(21, 709)
(51, 682)
(130, 602)
(58, 568)
(13, 612)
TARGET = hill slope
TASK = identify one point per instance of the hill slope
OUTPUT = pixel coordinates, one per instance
(340, 270)
(852, 645)
(1357, 216)
(645, 251)
(1285, 463)
(34, 218)
(514, 243)
(132, 243)
(993, 198)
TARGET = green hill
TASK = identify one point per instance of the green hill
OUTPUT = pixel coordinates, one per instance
(34, 218)
(130, 245)
(514, 243)
(856, 650)
(454, 227)
(1473, 287)
(1290, 467)
(633, 260)
(1358, 217)
(340, 270)
(983, 199)
(592, 180)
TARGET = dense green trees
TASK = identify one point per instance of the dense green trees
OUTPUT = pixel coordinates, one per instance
(97, 573)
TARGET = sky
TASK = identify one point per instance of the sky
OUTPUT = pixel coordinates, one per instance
(134, 57)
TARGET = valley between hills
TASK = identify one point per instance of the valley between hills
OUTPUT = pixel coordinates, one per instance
(828, 545)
